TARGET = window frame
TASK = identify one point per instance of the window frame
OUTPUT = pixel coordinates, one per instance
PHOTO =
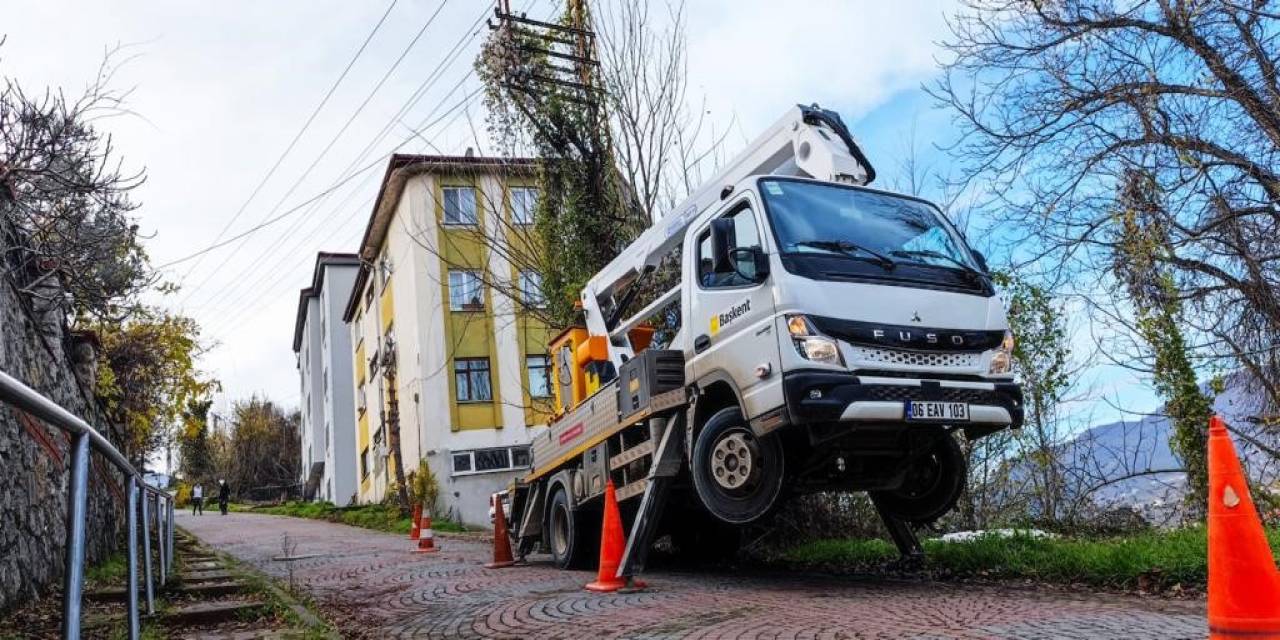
(529, 275)
(478, 282)
(704, 233)
(444, 206)
(546, 372)
(533, 206)
(470, 455)
(469, 371)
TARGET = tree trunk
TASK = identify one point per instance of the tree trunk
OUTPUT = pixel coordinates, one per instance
(393, 441)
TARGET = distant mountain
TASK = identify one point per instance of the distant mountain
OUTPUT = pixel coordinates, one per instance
(1130, 463)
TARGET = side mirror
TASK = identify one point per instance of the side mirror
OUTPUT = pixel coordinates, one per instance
(982, 260)
(722, 238)
(754, 256)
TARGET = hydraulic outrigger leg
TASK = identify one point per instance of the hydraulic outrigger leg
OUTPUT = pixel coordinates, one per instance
(665, 467)
(904, 536)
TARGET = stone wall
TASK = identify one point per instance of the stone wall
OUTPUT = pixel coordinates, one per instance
(34, 457)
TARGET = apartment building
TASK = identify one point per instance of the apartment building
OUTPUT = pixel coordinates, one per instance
(322, 346)
(443, 342)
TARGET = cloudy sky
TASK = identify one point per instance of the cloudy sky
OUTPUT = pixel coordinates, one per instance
(221, 90)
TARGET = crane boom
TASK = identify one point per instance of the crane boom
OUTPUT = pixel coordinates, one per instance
(807, 141)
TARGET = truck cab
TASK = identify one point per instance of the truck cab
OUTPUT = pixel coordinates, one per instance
(851, 330)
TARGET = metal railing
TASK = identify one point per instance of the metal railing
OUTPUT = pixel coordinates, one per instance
(156, 506)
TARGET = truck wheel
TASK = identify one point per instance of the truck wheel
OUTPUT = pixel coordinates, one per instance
(931, 487)
(737, 476)
(570, 534)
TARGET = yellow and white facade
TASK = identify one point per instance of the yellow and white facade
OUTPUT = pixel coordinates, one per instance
(434, 289)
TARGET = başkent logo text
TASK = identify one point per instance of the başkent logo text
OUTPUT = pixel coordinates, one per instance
(736, 311)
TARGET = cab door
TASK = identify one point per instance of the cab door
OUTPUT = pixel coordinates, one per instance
(731, 310)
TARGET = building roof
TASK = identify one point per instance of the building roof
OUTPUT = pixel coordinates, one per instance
(323, 259)
(400, 168)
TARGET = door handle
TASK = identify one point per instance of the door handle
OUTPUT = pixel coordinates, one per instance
(701, 343)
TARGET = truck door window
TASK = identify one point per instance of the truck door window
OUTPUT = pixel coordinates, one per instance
(745, 235)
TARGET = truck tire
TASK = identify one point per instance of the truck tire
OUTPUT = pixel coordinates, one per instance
(931, 487)
(738, 476)
(572, 536)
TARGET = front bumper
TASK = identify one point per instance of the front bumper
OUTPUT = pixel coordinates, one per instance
(825, 396)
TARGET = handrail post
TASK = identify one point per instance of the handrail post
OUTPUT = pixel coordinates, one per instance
(132, 589)
(172, 513)
(77, 508)
(146, 550)
(160, 517)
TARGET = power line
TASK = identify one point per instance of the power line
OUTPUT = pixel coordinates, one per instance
(333, 140)
(236, 303)
(281, 256)
(270, 221)
(248, 289)
(298, 136)
(448, 59)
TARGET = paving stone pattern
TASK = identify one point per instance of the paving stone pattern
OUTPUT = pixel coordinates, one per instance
(395, 593)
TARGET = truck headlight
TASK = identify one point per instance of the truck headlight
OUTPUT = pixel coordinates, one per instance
(1002, 359)
(810, 344)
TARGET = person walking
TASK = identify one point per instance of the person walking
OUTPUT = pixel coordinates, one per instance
(224, 495)
(197, 499)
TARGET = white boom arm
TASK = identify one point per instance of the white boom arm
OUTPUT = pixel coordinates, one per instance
(806, 141)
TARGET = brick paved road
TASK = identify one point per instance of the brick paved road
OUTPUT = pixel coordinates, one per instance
(389, 592)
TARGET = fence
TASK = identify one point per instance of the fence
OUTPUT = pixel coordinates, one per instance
(156, 509)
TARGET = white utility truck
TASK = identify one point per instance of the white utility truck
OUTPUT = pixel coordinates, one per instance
(830, 337)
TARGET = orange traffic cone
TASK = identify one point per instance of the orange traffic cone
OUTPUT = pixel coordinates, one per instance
(416, 522)
(1244, 586)
(612, 542)
(501, 542)
(427, 543)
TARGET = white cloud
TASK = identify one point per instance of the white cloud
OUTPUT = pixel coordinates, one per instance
(756, 58)
(222, 88)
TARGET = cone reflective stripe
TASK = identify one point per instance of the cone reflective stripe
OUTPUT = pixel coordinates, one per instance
(1244, 585)
(415, 522)
(426, 543)
(501, 541)
(612, 542)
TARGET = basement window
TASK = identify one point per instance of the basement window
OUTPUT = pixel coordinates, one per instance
(490, 460)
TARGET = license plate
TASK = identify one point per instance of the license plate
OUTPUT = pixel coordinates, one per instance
(929, 411)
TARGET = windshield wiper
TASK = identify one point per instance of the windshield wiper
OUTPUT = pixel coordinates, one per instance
(929, 253)
(848, 248)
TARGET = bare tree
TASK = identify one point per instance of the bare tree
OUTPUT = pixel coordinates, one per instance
(1059, 100)
(64, 200)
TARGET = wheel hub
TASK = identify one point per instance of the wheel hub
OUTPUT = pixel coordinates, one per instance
(733, 460)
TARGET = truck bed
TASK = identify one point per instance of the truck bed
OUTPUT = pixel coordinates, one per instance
(589, 424)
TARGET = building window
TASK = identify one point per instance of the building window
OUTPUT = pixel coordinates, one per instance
(538, 370)
(465, 293)
(471, 377)
(364, 463)
(462, 462)
(368, 297)
(531, 289)
(459, 205)
(523, 201)
(490, 460)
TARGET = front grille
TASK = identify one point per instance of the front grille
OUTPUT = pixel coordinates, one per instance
(915, 358)
(894, 393)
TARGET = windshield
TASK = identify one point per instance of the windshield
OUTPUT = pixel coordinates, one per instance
(868, 226)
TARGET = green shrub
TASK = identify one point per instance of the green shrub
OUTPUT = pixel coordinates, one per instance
(1155, 559)
(380, 517)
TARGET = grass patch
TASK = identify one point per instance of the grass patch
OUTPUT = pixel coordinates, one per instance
(112, 571)
(1153, 560)
(371, 516)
